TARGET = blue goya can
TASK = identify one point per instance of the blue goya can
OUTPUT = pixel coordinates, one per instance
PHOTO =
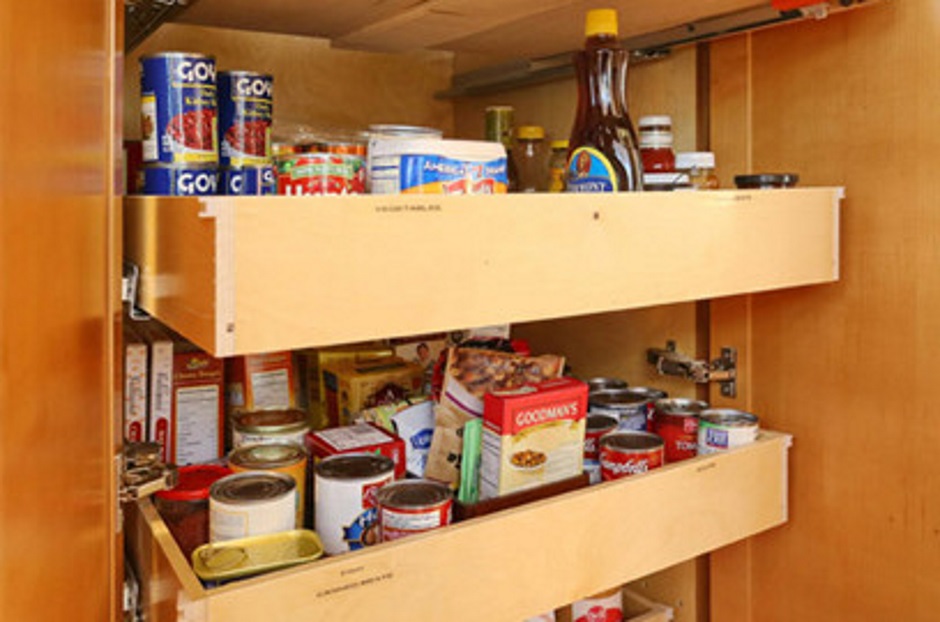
(186, 180)
(246, 105)
(178, 108)
(248, 180)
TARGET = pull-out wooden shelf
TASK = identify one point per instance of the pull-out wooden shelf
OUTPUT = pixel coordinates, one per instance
(255, 274)
(505, 566)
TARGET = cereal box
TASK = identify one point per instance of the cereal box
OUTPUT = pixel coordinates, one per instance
(352, 386)
(532, 435)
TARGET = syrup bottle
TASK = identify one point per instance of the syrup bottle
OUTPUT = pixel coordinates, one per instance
(603, 154)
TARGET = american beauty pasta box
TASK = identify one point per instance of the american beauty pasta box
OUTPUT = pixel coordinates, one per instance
(533, 435)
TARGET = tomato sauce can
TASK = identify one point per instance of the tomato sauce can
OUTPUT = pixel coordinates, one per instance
(252, 503)
(178, 108)
(626, 453)
(676, 422)
(344, 490)
(246, 107)
(595, 427)
(408, 507)
(631, 406)
(248, 180)
(285, 458)
(259, 427)
(721, 429)
(179, 180)
(303, 174)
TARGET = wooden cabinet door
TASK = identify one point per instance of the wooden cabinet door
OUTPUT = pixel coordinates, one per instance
(59, 292)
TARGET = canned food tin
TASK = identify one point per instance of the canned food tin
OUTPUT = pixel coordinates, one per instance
(320, 173)
(251, 504)
(631, 406)
(384, 132)
(412, 506)
(605, 384)
(676, 422)
(604, 607)
(345, 487)
(721, 429)
(277, 458)
(178, 108)
(245, 112)
(252, 180)
(595, 427)
(629, 453)
(269, 426)
(179, 180)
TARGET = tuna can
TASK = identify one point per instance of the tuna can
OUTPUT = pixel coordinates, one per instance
(249, 180)
(277, 458)
(178, 108)
(595, 427)
(626, 453)
(344, 488)
(179, 181)
(408, 507)
(605, 384)
(721, 429)
(253, 503)
(245, 111)
(260, 427)
(676, 422)
(631, 406)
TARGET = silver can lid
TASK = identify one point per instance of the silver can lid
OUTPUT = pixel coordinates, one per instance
(729, 417)
(251, 487)
(628, 441)
(355, 466)
(266, 456)
(413, 494)
(680, 406)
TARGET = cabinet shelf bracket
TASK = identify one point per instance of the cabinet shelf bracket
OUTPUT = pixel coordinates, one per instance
(722, 370)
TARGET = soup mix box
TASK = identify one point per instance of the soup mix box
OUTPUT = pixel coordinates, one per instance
(532, 436)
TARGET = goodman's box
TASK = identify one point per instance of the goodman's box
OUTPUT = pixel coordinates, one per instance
(532, 436)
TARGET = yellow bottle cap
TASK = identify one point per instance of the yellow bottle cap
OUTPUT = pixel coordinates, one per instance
(530, 132)
(559, 144)
(601, 22)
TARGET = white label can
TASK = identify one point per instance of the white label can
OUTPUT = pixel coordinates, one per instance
(721, 429)
(344, 491)
(252, 503)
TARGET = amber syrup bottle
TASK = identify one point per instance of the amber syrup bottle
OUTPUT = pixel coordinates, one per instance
(603, 154)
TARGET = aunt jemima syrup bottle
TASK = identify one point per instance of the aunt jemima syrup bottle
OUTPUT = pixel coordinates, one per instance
(603, 154)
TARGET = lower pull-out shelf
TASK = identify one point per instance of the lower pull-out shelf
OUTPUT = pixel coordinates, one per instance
(504, 566)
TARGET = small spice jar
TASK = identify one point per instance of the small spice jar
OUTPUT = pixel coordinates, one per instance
(530, 159)
(656, 144)
(700, 167)
(185, 508)
(557, 164)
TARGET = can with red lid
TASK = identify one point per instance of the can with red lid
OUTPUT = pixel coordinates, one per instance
(595, 427)
(185, 508)
(629, 453)
(676, 421)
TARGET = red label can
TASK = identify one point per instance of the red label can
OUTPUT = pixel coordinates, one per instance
(408, 507)
(597, 426)
(676, 422)
(629, 453)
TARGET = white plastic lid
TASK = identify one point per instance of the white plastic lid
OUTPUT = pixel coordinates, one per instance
(659, 119)
(665, 179)
(695, 159)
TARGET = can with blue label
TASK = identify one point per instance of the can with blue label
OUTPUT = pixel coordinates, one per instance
(248, 180)
(188, 180)
(721, 429)
(178, 108)
(245, 112)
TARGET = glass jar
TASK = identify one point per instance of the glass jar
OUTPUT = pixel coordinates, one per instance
(700, 167)
(557, 162)
(530, 158)
(185, 508)
(656, 144)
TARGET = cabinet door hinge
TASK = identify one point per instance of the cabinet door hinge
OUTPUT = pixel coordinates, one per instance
(130, 282)
(143, 473)
(722, 370)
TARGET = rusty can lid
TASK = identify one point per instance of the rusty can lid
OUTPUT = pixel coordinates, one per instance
(413, 494)
(354, 466)
(251, 487)
(629, 441)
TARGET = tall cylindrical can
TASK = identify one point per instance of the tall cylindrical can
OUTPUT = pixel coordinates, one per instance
(629, 453)
(179, 180)
(285, 458)
(721, 429)
(259, 427)
(676, 421)
(246, 105)
(344, 491)
(253, 503)
(248, 181)
(408, 507)
(178, 108)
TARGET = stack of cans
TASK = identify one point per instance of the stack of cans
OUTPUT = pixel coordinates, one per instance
(188, 112)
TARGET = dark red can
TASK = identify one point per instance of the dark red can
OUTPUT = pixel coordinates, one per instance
(629, 453)
(676, 422)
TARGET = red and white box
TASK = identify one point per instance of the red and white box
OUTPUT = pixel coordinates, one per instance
(135, 386)
(532, 436)
(358, 439)
(194, 433)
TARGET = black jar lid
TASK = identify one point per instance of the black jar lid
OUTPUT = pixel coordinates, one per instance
(766, 180)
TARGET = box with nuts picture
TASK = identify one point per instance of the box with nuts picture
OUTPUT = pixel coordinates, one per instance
(532, 435)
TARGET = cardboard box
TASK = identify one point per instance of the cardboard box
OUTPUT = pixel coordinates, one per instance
(352, 386)
(135, 386)
(160, 347)
(357, 439)
(532, 436)
(196, 430)
(260, 382)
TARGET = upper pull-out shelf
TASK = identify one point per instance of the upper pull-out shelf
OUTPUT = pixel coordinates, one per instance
(243, 275)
